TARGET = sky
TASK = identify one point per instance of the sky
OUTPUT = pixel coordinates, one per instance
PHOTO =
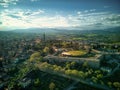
(59, 14)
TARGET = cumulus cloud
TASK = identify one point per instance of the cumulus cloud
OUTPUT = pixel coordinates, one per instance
(31, 19)
(78, 12)
(18, 18)
(113, 18)
(95, 20)
(6, 3)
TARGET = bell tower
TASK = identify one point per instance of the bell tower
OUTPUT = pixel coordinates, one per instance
(44, 37)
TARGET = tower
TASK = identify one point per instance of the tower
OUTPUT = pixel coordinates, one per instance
(44, 37)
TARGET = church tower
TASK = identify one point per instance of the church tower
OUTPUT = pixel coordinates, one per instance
(44, 37)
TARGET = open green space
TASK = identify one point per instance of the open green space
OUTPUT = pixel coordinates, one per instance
(76, 53)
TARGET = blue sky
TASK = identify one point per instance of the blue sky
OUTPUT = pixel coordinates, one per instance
(67, 14)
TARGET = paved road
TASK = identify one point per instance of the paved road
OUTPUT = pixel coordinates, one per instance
(71, 58)
(112, 72)
(71, 86)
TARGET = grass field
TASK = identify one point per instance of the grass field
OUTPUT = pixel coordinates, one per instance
(77, 53)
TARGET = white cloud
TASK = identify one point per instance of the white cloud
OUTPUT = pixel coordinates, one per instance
(96, 20)
(78, 12)
(27, 19)
(38, 12)
(6, 3)
(92, 10)
(18, 18)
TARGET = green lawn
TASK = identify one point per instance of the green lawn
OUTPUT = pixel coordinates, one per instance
(77, 53)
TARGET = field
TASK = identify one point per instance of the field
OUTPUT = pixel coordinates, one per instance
(76, 53)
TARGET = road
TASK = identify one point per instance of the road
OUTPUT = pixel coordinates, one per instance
(112, 72)
(72, 58)
(71, 86)
(105, 52)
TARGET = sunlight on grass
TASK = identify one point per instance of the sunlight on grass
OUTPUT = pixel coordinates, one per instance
(77, 53)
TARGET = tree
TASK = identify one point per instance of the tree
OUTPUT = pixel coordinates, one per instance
(99, 76)
(35, 57)
(40, 59)
(90, 71)
(117, 85)
(81, 74)
(51, 86)
(68, 65)
(37, 82)
(64, 44)
(109, 84)
(94, 79)
(97, 72)
(68, 72)
(85, 64)
(101, 82)
(51, 51)
(73, 64)
(75, 72)
(46, 50)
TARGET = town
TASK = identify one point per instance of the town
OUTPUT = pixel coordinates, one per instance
(78, 60)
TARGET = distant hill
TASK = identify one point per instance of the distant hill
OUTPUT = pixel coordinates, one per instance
(33, 30)
(53, 30)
